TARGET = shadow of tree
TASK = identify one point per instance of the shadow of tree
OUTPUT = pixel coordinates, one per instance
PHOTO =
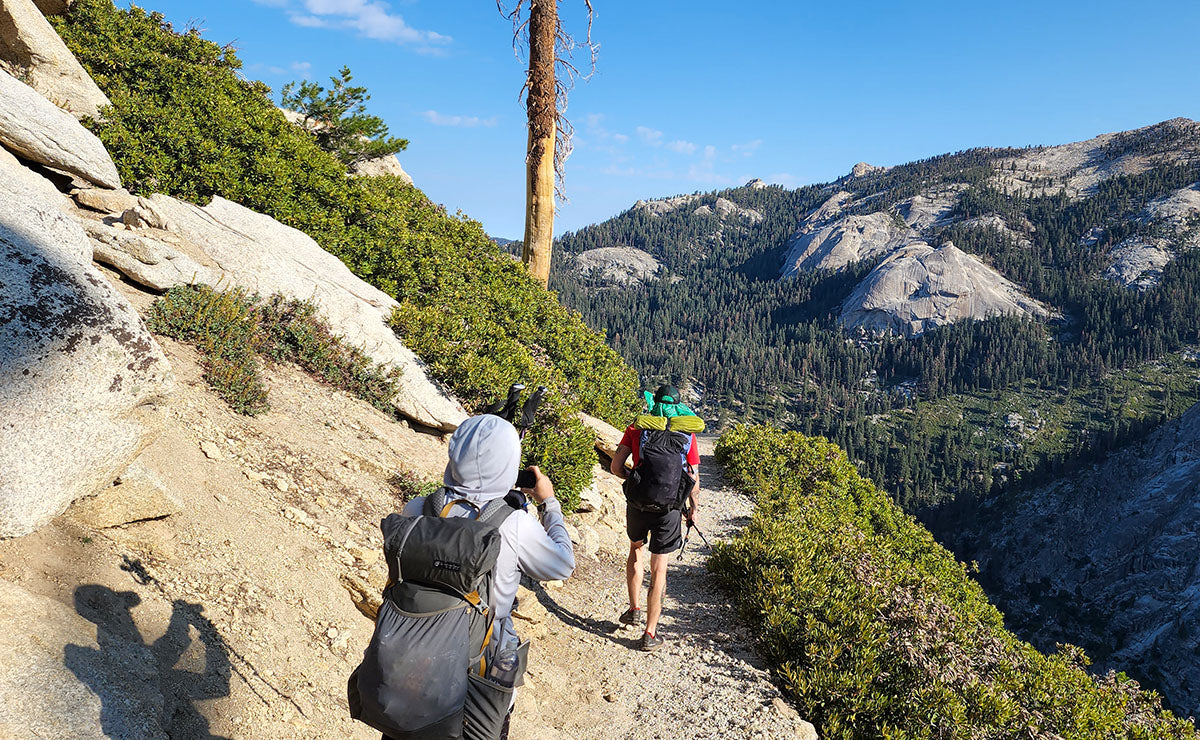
(183, 676)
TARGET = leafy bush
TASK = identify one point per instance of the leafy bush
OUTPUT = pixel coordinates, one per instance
(232, 328)
(223, 328)
(877, 631)
(409, 485)
(184, 123)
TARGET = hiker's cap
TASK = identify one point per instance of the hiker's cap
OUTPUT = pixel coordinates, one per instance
(666, 394)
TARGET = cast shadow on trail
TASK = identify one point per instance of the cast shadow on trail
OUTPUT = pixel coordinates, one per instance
(172, 665)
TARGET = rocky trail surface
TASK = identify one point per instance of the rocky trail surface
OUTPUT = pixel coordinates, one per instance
(705, 682)
(212, 593)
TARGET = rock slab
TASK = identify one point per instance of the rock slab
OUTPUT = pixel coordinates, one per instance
(379, 166)
(34, 128)
(136, 496)
(32, 49)
(618, 265)
(918, 288)
(148, 262)
(845, 241)
(80, 376)
(257, 253)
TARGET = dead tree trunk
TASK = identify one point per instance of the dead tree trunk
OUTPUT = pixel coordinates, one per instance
(542, 105)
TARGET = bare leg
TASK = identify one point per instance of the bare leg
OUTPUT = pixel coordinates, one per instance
(633, 573)
(658, 588)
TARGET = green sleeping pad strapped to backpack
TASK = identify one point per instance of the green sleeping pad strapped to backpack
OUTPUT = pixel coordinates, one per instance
(685, 424)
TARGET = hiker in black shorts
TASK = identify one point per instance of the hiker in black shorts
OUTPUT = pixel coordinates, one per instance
(659, 526)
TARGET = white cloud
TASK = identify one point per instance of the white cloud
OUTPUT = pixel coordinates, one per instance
(650, 136)
(304, 69)
(681, 146)
(370, 18)
(620, 138)
(748, 149)
(441, 119)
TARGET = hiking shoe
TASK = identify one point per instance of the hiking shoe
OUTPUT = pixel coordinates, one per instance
(650, 642)
(633, 616)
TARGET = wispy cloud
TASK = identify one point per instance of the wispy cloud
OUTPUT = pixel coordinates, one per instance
(681, 146)
(650, 136)
(706, 165)
(441, 119)
(748, 149)
(302, 69)
(371, 19)
(705, 170)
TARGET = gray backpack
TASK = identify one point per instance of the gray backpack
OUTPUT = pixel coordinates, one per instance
(424, 675)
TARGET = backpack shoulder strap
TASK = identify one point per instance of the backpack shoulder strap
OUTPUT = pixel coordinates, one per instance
(435, 501)
(439, 503)
(496, 512)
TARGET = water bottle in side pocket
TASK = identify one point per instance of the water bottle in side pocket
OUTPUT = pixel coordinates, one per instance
(504, 667)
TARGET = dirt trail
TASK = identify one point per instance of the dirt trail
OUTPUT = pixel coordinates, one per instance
(590, 682)
(239, 608)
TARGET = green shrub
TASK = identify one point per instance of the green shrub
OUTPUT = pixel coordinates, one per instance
(232, 328)
(182, 122)
(223, 327)
(877, 631)
(292, 331)
(409, 485)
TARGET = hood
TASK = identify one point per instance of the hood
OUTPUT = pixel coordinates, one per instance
(485, 454)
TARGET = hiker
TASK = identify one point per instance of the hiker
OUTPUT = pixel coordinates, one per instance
(476, 503)
(663, 481)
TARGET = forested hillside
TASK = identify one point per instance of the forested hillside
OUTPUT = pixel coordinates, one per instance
(877, 631)
(1100, 233)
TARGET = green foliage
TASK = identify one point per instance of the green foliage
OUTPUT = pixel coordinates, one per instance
(231, 329)
(222, 327)
(877, 631)
(338, 120)
(292, 331)
(409, 485)
(184, 123)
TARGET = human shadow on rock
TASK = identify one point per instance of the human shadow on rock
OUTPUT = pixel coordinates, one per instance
(130, 676)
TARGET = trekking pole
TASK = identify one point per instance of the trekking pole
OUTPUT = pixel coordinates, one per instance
(506, 408)
(691, 524)
(529, 410)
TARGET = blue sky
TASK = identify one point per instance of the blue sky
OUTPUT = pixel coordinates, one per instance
(700, 94)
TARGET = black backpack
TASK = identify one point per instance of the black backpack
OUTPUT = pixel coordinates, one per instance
(659, 483)
(424, 675)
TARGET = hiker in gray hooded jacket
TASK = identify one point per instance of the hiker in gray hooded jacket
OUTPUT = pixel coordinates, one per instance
(485, 456)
